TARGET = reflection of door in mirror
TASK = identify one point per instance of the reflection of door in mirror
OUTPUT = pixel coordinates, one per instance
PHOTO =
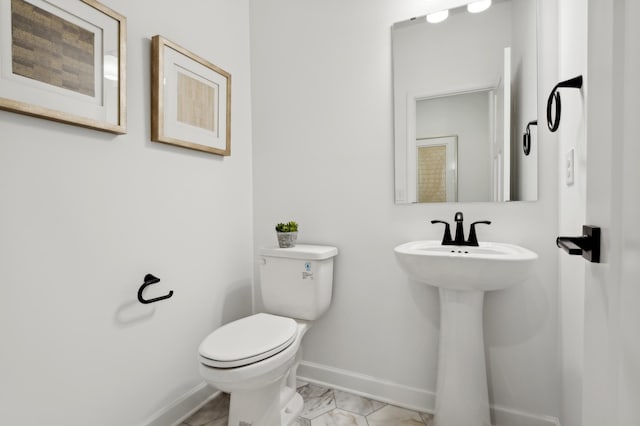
(500, 145)
(436, 168)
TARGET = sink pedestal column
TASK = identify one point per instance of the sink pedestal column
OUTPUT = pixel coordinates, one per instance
(462, 398)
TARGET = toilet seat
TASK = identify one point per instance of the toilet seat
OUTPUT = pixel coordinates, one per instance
(248, 340)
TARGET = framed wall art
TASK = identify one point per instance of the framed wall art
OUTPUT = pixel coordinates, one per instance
(64, 60)
(190, 99)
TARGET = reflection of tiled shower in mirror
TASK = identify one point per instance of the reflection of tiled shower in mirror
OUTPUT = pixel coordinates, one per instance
(431, 174)
(436, 169)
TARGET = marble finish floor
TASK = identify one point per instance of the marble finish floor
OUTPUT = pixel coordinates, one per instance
(323, 407)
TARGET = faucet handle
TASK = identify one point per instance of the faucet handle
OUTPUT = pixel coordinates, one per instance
(473, 239)
(458, 217)
(446, 239)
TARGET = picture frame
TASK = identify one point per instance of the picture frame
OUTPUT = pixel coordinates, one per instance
(64, 60)
(190, 99)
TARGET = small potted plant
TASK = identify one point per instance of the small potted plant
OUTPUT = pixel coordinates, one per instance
(287, 234)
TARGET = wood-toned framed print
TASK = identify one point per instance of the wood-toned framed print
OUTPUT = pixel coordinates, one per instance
(190, 99)
(64, 60)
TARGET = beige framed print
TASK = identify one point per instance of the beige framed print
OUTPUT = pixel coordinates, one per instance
(190, 100)
(64, 60)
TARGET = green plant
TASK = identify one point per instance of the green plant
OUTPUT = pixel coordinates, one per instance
(290, 226)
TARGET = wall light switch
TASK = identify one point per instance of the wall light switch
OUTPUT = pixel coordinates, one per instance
(569, 168)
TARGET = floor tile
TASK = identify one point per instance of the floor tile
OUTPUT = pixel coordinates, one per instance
(391, 415)
(317, 400)
(323, 407)
(213, 413)
(301, 422)
(356, 404)
(338, 417)
(427, 418)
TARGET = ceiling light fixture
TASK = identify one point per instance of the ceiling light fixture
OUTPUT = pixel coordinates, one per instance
(436, 17)
(479, 6)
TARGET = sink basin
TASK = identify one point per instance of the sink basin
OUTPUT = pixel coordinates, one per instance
(463, 274)
(491, 266)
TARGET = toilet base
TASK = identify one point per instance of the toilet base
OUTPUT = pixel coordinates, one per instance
(271, 405)
(291, 409)
(256, 407)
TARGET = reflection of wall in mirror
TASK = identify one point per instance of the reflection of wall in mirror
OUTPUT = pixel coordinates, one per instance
(465, 49)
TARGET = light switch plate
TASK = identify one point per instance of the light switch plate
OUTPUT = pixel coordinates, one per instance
(569, 167)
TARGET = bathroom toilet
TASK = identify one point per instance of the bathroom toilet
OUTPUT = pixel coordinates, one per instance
(255, 358)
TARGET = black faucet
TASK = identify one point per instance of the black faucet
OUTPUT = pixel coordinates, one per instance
(446, 239)
(459, 238)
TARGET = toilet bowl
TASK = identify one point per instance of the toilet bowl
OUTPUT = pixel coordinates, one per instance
(255, 358)
(250, 359)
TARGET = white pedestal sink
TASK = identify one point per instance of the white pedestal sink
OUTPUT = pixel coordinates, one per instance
(462, 275)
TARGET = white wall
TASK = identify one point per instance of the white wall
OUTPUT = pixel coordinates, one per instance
(85, 215)
(323, 155)
(466, 116)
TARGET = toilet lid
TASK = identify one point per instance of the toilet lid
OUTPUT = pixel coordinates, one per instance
(248, 340)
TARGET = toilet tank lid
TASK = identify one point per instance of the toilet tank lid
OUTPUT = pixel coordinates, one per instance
(301, 251)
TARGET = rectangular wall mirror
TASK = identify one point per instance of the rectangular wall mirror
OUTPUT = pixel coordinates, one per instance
(464, 91)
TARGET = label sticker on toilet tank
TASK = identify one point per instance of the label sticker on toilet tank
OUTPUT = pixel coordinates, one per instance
(307, 274)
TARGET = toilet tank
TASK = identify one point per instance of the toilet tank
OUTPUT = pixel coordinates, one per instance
(297, 282)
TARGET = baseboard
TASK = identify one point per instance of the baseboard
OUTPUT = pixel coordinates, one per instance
(368, 386)
(404, 396)
(183, 407)
(503, 416)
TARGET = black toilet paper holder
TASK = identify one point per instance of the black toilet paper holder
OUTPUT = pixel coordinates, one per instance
(149, 280)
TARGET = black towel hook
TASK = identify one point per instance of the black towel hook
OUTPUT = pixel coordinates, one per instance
(553, 121)
(526, 138)
(148, 280)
